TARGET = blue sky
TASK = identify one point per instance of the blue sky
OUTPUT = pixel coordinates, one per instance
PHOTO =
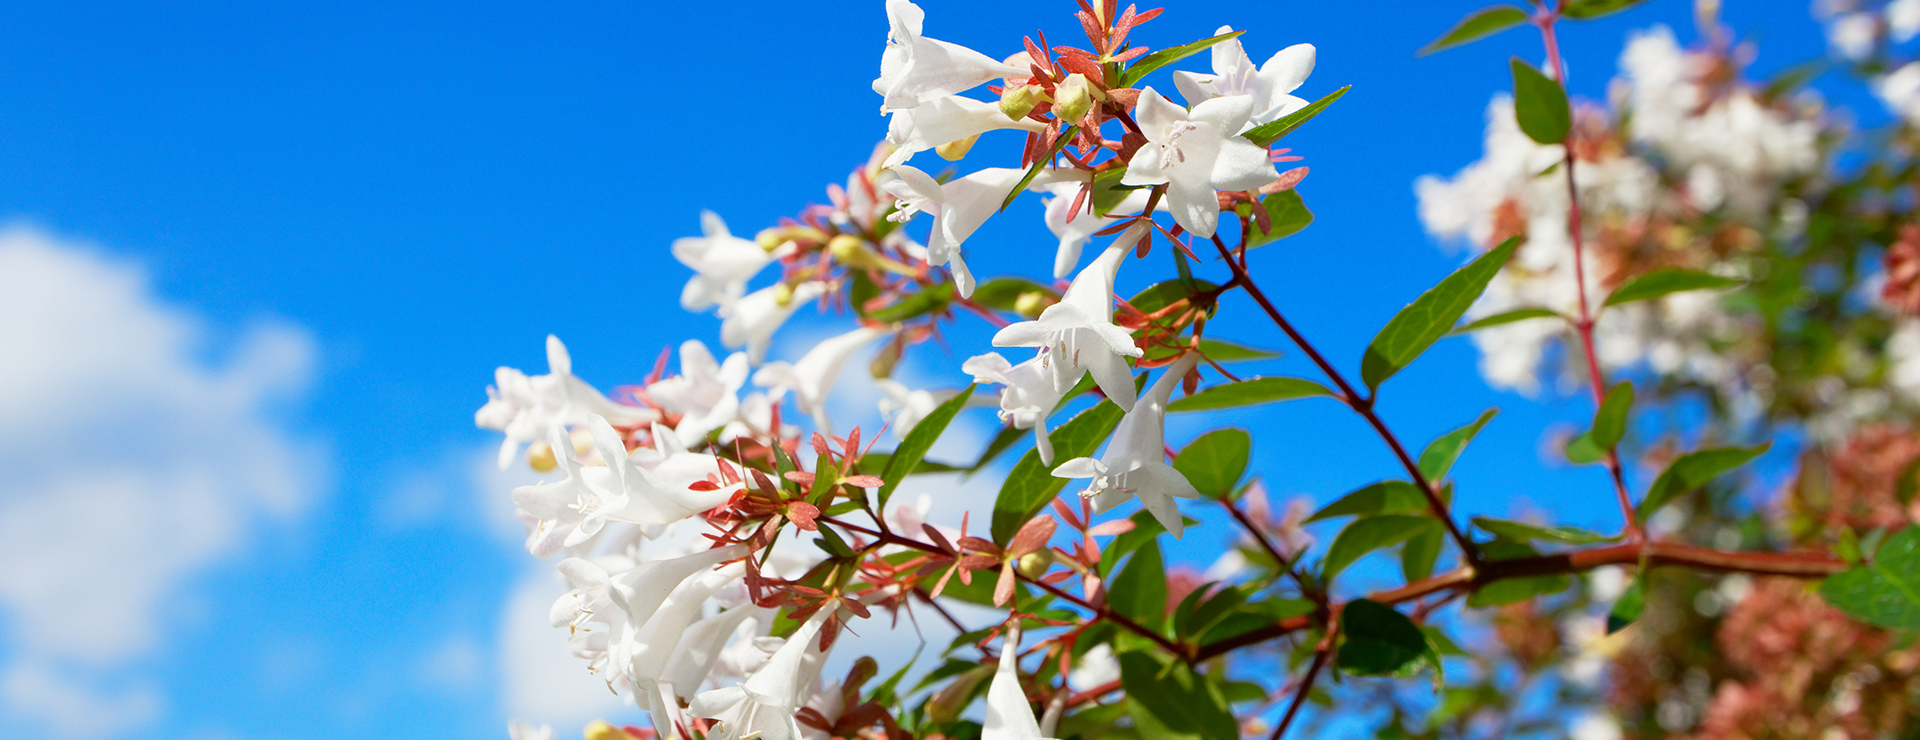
(324, 224)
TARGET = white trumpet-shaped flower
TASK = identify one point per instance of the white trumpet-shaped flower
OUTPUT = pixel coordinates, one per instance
(763, 707)
(557, 510)
(653, 644)
(752, 320)
(705, 394)
(722, 264)
(1195, 153)
(525, 407)
(652, 487)
(1267, 85)
(1009, 715)
(1134, 464)
(959, 207)
(904, 407)
(812, 378)
(1029, 397)
(1078, 332)
(915, 69)
(945, 120)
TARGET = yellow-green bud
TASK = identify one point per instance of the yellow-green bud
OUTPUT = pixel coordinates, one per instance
(600, 730)
(772, 239)
(782, 295)
(1073, 97)
(1034, 564)
(1031, 303)
(953, 150)
(540, 457)
(1019, 100)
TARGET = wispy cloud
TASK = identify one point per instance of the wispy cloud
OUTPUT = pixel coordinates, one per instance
(130, 463)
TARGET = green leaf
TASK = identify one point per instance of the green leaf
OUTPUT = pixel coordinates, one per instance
(1256, 615)
(932, 298)
(1286, 213)
(1428, 317)
(1481, 24)
(1267, 133)
(906, 457)
(1590, 9)
(1145, 529)
(1215, 349)
(1005, 439)
(1885, 592)
(1508, 317)
(1140, 591)
(862, 290)
(1164, 57)
(1691, 471)
(1441, 453)
(1667, 280)
(1215, 461)
(1420, 553)
(1610, 421)
(1059, 143)
(1372, 533)
(1176, 697)
(1379, 641)
(1163, 294)
(1511, 590)
(1385, 497)
(1030, 485)
(1581, 450)
(1522, 532)
(1003, 293)
(1108, 193)
(1627, 610)
(1249, 392)
(1540, 105)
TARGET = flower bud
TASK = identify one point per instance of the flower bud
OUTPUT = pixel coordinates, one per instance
(782, 295)
(773, 238)
(1019, 100)
(954, 150)
(540, 457)
(854, 251)
(1035, 564)
(1073, 97)
(600, 730)
(1032, 302)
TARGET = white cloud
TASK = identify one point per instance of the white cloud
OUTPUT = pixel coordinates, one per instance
(130, 463)
(542, 683)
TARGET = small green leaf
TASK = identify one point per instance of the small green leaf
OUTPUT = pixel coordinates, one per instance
(1522, 532)
(1140, 590)
(1610, 421)
(1848, 547)
(1108, 193)
(1249, 392)
(932, 298)
(913, 449)
(1215, 461)
(1627, 610)
(1428, 317)
(1581, 450)
(1216, 350)
(1481, 24)
(1164, 57)
(1691, 471)
(1438, 458)
(1540, 104)
(1508, 317)
(1385, 497)
(1286, 213)
(1163, 294)
(1372, 533)
(1418, 556)
(1030, 485)
(1591, 9)
(1267, 133)
(1379, 641)
(1667, 280)
(1176, 697)
(1003, 293)
(1059, 143)
(1885, 592)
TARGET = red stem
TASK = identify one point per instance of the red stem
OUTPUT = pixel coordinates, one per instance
(1585, 324)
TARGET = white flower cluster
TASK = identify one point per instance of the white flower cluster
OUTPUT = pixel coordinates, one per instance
(676, 631)
(1684, 146)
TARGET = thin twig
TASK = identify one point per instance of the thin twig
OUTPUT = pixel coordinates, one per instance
(1320, 655)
